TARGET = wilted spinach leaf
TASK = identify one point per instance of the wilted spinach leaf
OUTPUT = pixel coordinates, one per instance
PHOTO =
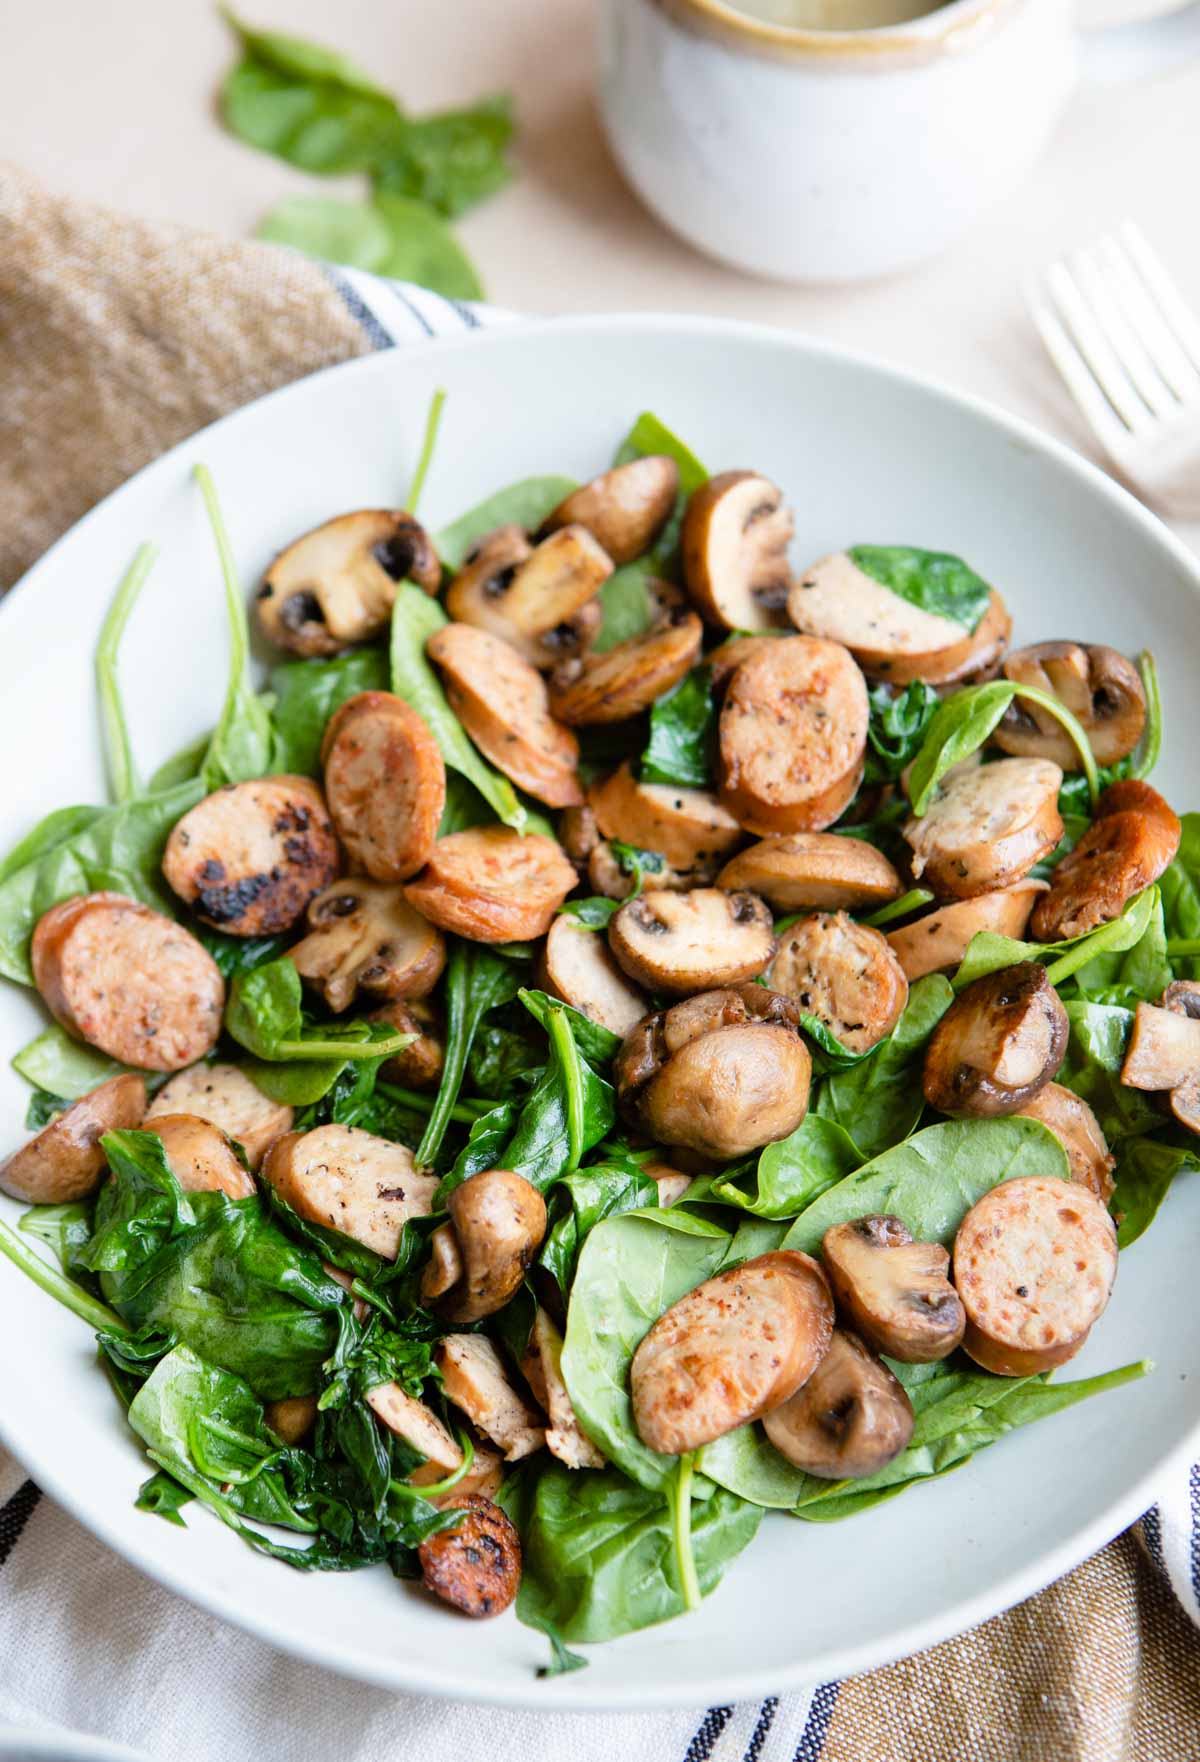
(792, 1172)
(577, 1202)
(307, 693)
(934, 581)
(898, 724)
(683, 734)
(525, 503)
(878, 1101)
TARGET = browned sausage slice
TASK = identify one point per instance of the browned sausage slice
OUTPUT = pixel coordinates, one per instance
(835, 598)
(805, 871)
(250, 857)
(939, 940)
(686, 942)
(793, 731)
(624, 509)
(128, 980)
(491, 885)
(65, 1162)
(1132, 839)
(476, 1566)
(630, 676)
(503, 704)
(225, 1095)
(200, 1156)
(386, 783)
(364, 935)
(731, 1350)
(844, 974)
(352, 1181)
(1034, 1263)
(1078, 1131)
(577, 966)
(686, 826)
(541, 1367)
(987, 826)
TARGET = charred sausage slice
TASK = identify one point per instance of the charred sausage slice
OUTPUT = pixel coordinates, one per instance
(248, 858)
(364, 936)
(938, 941)
(386, 784)
(844, 974)
(349, 1180)
(1000, 1042)
(1132, 839)
(624, 509)
(628, 678)
(803, 871)
(224, 1095)
(1034, 1263)
(200, 1156)
(502, 703)
(735, 538)
(474, 1378)
(128, 980)
(476, 1566)
(1078, 1131)
(337, 584)
(987, 826)
(493, 885)
(65, 1162)
(689, 942)
(728, 1352)
(793, 731)
(687, 827)
(894, 1291)
(577, 967)
(849, 1420)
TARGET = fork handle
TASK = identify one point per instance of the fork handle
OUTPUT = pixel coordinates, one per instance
(1122, 52)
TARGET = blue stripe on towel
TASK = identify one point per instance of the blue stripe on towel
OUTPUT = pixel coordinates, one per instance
(712, 1725)
(378, 337)
(15, 1515)
(813, 1741)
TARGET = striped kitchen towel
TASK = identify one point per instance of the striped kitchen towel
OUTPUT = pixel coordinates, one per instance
(117, 339)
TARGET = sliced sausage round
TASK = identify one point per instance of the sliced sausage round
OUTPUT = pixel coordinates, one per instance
(1002, 1039)
(503, 704)
(65, 1162)
(200, 1156)
(476, 1566)
(1132, 839)
(386, 784)
(1034, 1263)
(624, 509)
(689, 942)
(224, 1095)
(364, 936)
(687, 827)
(938, 941)
(844, 974)
(248, 858)
(987, 826)
(576, 965)
(728, 1352)
(806, 871)
(725, 660)
(128, 980)
(629, 677)
(490, 884)
(351, 1181)
(838, 599)
(793, 732)
(1078, 1131)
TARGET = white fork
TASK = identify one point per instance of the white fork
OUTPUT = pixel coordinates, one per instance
(1128, 347)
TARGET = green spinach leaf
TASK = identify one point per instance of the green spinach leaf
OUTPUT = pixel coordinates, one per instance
(988, 952)
(793, 1172)
(934, 581)
(240, 747)
(265, 1015)
(525, 503)
(66, 1067)
(307, 693)
(964, 721)
(899, 722)
(683, 734)
(1146, 1168)
(478, 979)
(577, 1202)
(878, 1101)
(122, 771)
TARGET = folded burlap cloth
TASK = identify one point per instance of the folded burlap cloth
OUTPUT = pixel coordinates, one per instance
(117, 339)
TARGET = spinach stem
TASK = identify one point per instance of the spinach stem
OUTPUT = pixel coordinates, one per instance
(432, 423)
(56, 1284)
(1149, 746)
(1074, 728)
(1178, 946)
(464, 1112)
(911, 901)
(460, 1031)
(681, 1518)
(122, 773)
(339, 1049)
(563, 1042)
(434, 1489)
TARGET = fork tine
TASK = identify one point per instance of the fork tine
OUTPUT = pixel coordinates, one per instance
(1096, 410)
(1171, 303)
(1089, 339)
(1095, 283)
(1147, 321)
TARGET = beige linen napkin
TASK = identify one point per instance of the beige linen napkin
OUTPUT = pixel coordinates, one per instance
(117, 339)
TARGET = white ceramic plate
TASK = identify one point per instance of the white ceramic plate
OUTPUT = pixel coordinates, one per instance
(863, 453)
(66, 1746)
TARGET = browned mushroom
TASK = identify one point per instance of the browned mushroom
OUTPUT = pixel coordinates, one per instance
(364, 936)
(628, 677)
(541, 600)
(65, 1162)
(895, 1292)
(1163, 1054)
(1131, 840)
(1078, 1131)
(687, 827)
(938, 941)
(1100, 687)
(986, 826)
(617, 878)
(735, 538)
(419, 1064)
(337, 584)
(844, 975)
(849, 1420)
(723, 1073)
(499, 1220)
(624, 509)
(687, 942)
(579, 835)
(803, 871)
(576, 965)
(1002, 1039)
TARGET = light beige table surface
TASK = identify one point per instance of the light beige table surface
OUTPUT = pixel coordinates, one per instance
(114, 99)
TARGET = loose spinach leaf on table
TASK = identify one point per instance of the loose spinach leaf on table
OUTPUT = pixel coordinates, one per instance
(240, 747)
(791, 1173)
(683, 734)
(451, 160)
(934, 581)
(878, 1101)
(525, 503)
(306, 694)
(394, 236)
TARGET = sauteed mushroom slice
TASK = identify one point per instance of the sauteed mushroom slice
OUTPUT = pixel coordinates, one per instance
(801, 871)
(735, 538)
(364, 936)
(1132, 839)
(538, 599)
(630, 676)
(576, 966)
(609, 876)
(64, 1162)
(224, 1095)
(732, 1349)
(353, 1181)
(844, 974)
(895, 1292)
(938, 941)
(1000, 1042)
(499, 1221)
(792, 733)
(579, 835)
(200, 1156)
(624, 509)
(987, 826)
(336, 585)
(419, 1064)
(722, 1074)
(1100, 687)
(1164, 1051)
(1078, 1131)
(690, 942)
(490, 884)
(502, 703)
(385, 779)
(1034, 1263)
(687, 827)
(849, 1420)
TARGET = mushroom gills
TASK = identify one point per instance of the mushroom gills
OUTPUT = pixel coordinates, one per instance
(1100, 687)
(849, 1420)
(336, 585)
(688, 942)
(735, 538)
